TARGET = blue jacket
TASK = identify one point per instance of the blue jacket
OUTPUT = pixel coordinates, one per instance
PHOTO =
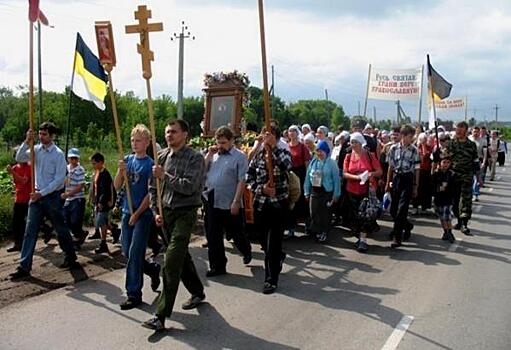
(330, 181)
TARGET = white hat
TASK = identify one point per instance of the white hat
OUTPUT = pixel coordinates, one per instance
(356, 136)
(309, 137)
(306, 126)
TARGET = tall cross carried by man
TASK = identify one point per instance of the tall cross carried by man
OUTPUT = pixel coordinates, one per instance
(144, 49)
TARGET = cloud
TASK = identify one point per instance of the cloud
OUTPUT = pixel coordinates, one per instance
(312, 44)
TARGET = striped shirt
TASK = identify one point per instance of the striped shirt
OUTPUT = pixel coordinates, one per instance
(404, 159)
(74, 178)
(257, 176)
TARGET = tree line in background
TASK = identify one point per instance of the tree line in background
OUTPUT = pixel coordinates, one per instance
(93, 128)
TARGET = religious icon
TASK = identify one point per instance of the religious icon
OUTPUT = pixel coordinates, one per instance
(222, 112)
(105, 40)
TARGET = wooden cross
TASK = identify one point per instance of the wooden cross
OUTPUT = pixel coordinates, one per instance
(143, 28)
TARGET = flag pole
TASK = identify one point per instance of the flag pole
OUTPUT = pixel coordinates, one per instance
(430, 78)
(266, 96)
(71, 98)
(31, 103)
(39, 73)
(367, 91)
(420, 96)
(108, 68)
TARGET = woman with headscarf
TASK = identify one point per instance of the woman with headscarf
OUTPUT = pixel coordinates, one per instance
(322, 135)
(361, 169)
(424, 193)
(322, 189)
(300, 157)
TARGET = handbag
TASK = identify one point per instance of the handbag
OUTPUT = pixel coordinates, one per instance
(370, 207)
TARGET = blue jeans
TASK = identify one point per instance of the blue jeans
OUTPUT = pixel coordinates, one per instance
(73, 213)
(476, 189)
(50, 206)
(134, 244)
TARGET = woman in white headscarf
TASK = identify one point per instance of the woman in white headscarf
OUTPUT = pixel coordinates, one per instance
(361, 170)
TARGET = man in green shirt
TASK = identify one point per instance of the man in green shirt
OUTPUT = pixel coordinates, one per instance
(465, 163)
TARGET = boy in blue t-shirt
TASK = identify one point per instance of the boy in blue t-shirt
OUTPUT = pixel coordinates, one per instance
(134, 230)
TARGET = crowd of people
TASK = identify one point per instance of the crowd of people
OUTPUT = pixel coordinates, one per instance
(297, 178)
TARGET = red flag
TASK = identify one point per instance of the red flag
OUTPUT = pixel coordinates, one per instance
(42, 18)
(33, 10)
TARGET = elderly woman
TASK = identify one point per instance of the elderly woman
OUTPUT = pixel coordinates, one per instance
(424, 192)
(322, 190)
(322, 135)
(300, 158)
(310, 142)
(361, 169)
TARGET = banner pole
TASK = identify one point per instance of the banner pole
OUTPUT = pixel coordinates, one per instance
(71, 98)
(118, 134)
(420, 96)
(31, 103)
(367, 91)
(430, 79)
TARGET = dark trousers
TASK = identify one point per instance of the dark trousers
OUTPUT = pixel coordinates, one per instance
(320, 213)
(462, 201)
(73, 214)
(301, 208)
(19, 221)
(424, 193)
(270, 222)
(402, 189)
(178, 226)
(219, 221)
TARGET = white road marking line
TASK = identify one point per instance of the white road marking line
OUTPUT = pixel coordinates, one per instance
(477, 208)
(455, 245)
(398, 333)
(499, 178)
(490, 189)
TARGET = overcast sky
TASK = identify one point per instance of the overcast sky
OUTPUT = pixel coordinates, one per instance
(314, 45)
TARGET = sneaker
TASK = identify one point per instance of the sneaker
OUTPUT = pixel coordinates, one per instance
(130, 303)
(476, 199)
(19, 273)
(102, 248)
(70, 264)
(321, 237)
(215, 272)
(269, 288)
(450, 237)
(407, 232)
(116, 233)
(247, 259)
(14, 248)
(193, 302)
(362, 247)
(96, 235)
(465, 230)
(396, 244)
(289, 234)
(155, 277)
(155, 323)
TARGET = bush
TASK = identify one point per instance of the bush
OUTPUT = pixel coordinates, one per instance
(6, 204)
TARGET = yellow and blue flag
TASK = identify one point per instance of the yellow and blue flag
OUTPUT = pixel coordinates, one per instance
(93, 83)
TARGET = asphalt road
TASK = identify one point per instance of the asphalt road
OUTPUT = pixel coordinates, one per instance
(425, 295)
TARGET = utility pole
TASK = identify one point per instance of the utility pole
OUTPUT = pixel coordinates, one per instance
(497, 113)
(358, 108)
(272, 91)
(374, 114)
(398, 116)
(181, 38)
(326, 94)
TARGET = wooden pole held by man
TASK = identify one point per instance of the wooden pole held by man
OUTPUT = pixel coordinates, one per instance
(144, 28)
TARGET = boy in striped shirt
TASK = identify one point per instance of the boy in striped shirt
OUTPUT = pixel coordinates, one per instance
(74, 206)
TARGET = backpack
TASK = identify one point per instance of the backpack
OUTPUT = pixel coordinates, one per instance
(294, 187)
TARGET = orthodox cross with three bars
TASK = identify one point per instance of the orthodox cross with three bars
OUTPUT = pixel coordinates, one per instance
(143, 28)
